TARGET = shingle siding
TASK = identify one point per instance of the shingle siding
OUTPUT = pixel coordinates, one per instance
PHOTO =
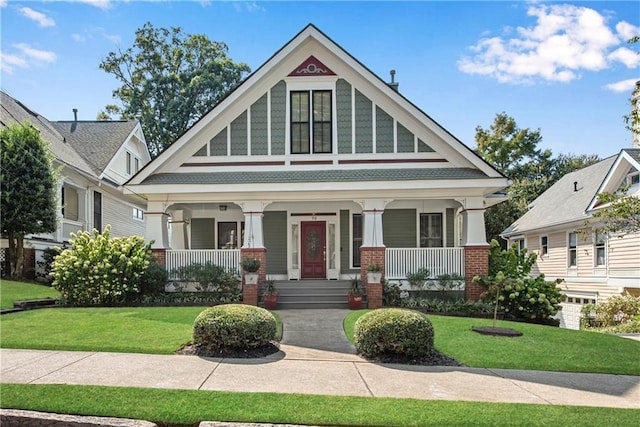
(239, 135)
(343, 116)
(259, 143)
(364, 124)
(384, 131)
(278, 118)
(218, 144)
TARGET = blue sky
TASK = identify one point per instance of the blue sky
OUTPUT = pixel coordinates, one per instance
(562, 67)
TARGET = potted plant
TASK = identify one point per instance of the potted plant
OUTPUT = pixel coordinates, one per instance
(251, 267)
(374, 273)
(355, 294)
(269, 294)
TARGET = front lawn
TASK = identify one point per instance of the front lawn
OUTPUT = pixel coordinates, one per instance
(189, 407)
(540, 348)
(11, 291)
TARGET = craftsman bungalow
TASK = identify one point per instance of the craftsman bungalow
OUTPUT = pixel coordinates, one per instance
(319, 168)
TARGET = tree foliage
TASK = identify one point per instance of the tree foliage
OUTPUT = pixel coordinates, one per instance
(619, 214)
(516, 153)
(169, 80)
(28, 189)
(632, 120)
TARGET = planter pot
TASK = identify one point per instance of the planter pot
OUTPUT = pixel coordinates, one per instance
(251, 278)
(270, 301)
(355, 302)
(374, 276)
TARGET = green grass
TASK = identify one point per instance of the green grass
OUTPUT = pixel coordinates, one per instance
(188, 407)
(156, 330)
(540, 348)
(11, 291)
(159, 330)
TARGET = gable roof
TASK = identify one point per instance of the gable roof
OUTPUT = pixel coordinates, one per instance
(561, 203)
(13, 111)
(172, 156)
(96, 141)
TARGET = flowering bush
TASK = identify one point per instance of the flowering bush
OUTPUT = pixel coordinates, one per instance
(98, 269)
(617, 310)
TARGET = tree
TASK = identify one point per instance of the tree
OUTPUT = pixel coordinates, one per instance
(632, 120)
(28, 189)
(515, 153)
(619, 214)
(169, 80)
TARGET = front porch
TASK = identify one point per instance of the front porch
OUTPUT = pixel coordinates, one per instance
(333, 240)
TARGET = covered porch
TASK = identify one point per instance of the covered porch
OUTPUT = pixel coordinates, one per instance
(326, 240)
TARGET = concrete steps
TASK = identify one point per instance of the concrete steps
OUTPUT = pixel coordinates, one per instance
(312, 293)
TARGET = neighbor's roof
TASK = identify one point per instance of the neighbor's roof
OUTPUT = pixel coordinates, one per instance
(346, 175)
(13, 111)
(96, 141)
(560, 203)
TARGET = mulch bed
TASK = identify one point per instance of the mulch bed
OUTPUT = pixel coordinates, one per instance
(434, 359)
(198, 350)
(500, 332)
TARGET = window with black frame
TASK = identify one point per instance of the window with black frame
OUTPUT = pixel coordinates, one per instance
(311, 122)
(431, 230)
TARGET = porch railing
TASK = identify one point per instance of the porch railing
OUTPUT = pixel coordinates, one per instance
(228, 258)
(400, 261)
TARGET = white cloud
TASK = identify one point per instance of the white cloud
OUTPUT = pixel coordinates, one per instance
(101, 4)
(3, 3)
(249, 6)
(626, 30)
(35, 54)
(622, 86)
(42, 19)
(78, 38)
(8, 62)
(565, 41)
(625, 55)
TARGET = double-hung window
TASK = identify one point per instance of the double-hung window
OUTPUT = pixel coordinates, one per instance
(573, 249)
(311, 122)
(544, 245)
(600, 250)
(356, 241)
(431, 230)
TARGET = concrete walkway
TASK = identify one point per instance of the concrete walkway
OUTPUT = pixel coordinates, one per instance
(315, 358)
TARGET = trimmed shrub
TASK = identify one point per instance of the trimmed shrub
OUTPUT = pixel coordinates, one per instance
(390, 294)
(98, 269)
(232, 327)
(393, 331)
(209, 277)
(154, 279)
(617, 310)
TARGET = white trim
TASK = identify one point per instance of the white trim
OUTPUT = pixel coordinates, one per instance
(353, 119)
(608, 184)
(295, 274)
(374, 130)
(269, 122)
(249, 131)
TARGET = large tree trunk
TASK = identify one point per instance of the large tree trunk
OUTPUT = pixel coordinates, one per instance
(16, 255)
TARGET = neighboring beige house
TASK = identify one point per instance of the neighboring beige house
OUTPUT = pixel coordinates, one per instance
(593, 266)
(318, 167)
(94, 159)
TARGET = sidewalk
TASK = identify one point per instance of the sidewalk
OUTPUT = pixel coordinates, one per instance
(318, 360)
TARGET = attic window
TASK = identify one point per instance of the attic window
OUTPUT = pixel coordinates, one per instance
(633, 178)
(311, 122)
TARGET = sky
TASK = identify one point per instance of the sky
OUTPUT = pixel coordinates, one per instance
(563, 67)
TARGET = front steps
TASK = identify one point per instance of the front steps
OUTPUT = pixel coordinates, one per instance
(312, 293)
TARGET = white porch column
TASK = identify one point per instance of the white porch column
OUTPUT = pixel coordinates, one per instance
(253, 231)
(372, 219)
(179, 231)
(60, 218)
(473, 230)
(156, 225)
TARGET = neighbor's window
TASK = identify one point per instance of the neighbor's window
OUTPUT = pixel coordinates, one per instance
(544, 245)
(311, 122)
(573, 249)
(356, 241)
(138, 213)
(97, 211)
(600, 250)
(519, 244)
(431, 230)
(137, 164)
(128, 163)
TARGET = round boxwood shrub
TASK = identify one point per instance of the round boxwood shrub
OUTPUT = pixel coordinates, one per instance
(393, 332)
(233, 327)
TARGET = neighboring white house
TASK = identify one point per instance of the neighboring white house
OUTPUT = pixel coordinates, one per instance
(94, 159)
(593, 266)
(319, 168)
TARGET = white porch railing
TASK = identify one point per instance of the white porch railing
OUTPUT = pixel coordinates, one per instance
(400, 261)
(228, 258)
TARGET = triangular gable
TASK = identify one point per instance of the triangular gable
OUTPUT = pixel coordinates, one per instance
(617, 173)
(311, 67)
(341, 62)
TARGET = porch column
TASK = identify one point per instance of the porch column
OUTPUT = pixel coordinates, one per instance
(476, 248)
(372, 250)
(156, 225)
(253, 247)
(179, 235)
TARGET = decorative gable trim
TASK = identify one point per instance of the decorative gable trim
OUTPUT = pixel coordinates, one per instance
(311, 67)
(612, 181)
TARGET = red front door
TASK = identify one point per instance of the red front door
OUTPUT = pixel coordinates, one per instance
(314, 250)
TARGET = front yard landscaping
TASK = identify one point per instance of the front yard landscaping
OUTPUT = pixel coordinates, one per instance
(11, 291)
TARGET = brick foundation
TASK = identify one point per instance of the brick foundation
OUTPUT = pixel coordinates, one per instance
(476, 263)
(160, 254)
(372, 255)
(250, 292)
